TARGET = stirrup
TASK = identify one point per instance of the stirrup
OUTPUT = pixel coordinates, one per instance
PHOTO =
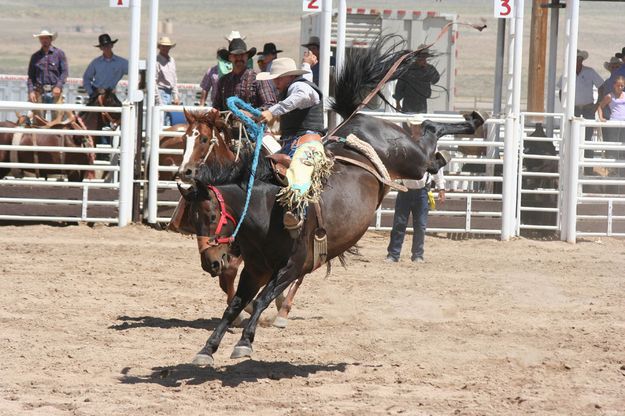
(292, 223)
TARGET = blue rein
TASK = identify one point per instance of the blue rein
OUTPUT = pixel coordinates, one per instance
(235, 104)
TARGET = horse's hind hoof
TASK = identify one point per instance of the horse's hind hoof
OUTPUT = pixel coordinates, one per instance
(280, 322)
(203, 360)
(241, 351)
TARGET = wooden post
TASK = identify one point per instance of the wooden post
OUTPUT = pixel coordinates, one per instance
(538, 53)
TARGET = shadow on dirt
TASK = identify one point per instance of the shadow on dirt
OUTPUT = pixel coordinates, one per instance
(131, 322)
(229, 375)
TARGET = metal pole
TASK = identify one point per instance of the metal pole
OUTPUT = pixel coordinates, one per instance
(125, 163)
(153, 167)
(573, 175)
(340, 34)
(151, 73)
(134, 94)
(499, 53)
(324, 48)
(513, 129)
(568, 102)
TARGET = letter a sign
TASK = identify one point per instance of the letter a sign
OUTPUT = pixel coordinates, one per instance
(119, 3)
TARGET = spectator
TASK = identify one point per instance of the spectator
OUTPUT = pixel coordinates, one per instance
(620, 71)
(415, 201)
(415, 87)
(166, 79)
(615, 101)
(105, 71)
(241, 82)
(260, 61)
(47, 73)
(269, 53)
(612, 65)
(313, 46)
(211, 78)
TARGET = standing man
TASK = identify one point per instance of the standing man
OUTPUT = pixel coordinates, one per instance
(313, 48)
(47, 72)
(105, 71)
(268, 54)
(301, 122)
(241, 82)
(166, 79)
(415, 87)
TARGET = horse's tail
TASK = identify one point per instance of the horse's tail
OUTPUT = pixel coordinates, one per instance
(364, 68)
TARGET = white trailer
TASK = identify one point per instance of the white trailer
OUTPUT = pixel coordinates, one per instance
(416, 27)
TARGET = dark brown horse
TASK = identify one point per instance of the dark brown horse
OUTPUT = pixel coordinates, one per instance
(99, 120)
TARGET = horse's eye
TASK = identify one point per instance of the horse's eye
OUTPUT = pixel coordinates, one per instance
(204, 139)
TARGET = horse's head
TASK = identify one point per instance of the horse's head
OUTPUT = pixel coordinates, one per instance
(207, 140)
(106, 98)
(205, 214)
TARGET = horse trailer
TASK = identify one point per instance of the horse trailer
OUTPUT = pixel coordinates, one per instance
(415, 27)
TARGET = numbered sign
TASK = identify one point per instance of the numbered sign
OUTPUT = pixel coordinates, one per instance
(312, 6)
(504, 9)
(119, 3)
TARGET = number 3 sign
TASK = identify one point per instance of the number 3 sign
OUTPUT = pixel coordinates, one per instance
(312, 5)
(504, 9)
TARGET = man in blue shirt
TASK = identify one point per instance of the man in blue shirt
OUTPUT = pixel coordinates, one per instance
(105, 71)
(47, 72)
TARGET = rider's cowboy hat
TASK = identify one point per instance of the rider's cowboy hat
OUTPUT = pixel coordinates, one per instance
(234, 35)
(614, 61)
(269, 49)
(312, 41)
(165, 41)
(104, 40)
(582, 54)
(281, 67)
(44, 33)
(236, 47)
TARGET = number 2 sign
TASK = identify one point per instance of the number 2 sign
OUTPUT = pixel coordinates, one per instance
(504, 9)
(119, 3)
(312, 5)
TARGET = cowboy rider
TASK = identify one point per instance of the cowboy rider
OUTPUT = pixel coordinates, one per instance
(302, 125)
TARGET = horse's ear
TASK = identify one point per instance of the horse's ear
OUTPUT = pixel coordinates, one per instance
(188, 115)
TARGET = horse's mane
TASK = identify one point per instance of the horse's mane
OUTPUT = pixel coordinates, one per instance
(364, 68)
(238, 172)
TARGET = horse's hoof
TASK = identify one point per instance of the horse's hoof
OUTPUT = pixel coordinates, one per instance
(280, 300)
(241, 351)
(203, 360)
(280, 322)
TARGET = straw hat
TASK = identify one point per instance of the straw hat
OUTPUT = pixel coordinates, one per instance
(612, 62)
(165, 41)
(45, 32)
(281, 67)
(582, 54)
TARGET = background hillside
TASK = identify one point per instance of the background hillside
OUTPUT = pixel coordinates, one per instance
(199, 29)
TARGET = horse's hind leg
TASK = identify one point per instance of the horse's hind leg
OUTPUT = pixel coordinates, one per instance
(472, 123)
(287, 304)
(248, 287)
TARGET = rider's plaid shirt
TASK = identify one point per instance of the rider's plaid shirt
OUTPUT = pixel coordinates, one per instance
(259, 94)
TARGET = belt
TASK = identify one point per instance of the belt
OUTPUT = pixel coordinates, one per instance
(45, 87)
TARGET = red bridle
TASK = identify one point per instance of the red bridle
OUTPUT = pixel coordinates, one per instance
(204, 243)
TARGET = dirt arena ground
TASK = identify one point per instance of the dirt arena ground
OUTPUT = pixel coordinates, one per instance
(103, 321)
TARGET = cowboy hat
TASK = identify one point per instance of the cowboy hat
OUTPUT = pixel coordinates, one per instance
(45, 32)
(269, 49)
(234, 35)
(281, 67)
(312, 41)
(613, 61)
(582, 54)
(165, 41)
(236, 47)
(620, 54)
(424, 51)
(104, 40)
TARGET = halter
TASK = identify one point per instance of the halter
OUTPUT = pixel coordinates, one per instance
(204, 243)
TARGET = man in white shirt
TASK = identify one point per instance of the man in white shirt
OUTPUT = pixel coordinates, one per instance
(166, 78)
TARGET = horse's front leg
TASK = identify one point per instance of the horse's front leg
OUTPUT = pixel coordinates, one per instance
(248, 287)
(278, 283)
